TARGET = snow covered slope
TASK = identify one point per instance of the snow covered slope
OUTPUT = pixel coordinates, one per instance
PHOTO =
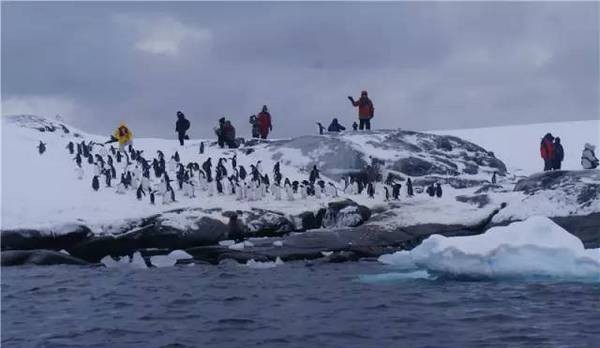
(42, 190)
(518, 145)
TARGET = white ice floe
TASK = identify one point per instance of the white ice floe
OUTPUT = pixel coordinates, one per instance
(264, 265)
(534, 247)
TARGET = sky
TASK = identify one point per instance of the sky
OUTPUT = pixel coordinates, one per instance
(427, 65)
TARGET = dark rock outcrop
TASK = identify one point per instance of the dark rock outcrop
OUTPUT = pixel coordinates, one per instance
(37, 257)
(60, 237)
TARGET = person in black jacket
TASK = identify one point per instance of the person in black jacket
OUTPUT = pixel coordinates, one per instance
(559, 154)
(335, 126)
(181, 126)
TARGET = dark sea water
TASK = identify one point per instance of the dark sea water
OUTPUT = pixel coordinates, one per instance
(361, 304)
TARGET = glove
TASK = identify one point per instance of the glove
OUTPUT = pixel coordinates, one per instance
(351, 99)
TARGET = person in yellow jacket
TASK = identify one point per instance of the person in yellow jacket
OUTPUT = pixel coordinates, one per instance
(123, 135)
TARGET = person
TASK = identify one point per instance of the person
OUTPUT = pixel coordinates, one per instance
(255, 127)
(220, 132)
(181, 126)
(559, 154)
(547, 151)
(335, 126)
(226, 134)
(123, 135)
(588, 158)
(366, 110)
(264, 122)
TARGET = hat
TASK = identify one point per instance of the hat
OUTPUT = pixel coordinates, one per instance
(364, 92)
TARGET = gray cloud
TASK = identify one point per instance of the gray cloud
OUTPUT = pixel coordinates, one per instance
(429, 65)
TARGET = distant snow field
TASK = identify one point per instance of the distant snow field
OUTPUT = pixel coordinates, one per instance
(518, 146)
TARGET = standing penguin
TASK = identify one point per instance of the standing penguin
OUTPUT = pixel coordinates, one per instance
(409, 188)
(140, 191)
(494, 178)
(431, 190)
(387, 193)
(176, 156)
(152, 199)
(201, 151)
(371, 190)
(314, 175)
(438, 190)
(95, 183)
(396, 191)
(71, 147)
(41, 147)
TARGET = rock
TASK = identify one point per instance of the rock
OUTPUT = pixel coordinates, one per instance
(345, 213)
(37, 257)
(264, 223)
(58, 237)
(479, 200)
(586, 228)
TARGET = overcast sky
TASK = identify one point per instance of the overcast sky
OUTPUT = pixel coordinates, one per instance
(432, 65)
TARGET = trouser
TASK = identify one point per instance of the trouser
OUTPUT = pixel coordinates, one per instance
(365, 123)
(181, 137)
(547, 164)
(557, 165)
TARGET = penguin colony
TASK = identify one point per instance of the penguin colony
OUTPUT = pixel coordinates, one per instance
(161, 181)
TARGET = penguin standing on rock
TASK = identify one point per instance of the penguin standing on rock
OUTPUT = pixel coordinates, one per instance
(41, 147)
(201, 150)
(438, 190)
(371, 190)
(140, 191)
(494, 178)
(95, 183)
(387, 193)
(409, 188)
(71, 147)
(396, 191)
(152, 198)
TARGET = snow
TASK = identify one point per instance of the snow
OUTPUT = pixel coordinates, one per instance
(136, 262)
(518, 145)
(534, 247)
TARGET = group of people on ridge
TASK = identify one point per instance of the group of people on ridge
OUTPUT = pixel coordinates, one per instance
(553, 154)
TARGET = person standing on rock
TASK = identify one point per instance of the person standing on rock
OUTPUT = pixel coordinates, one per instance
(559, 154)
(181, 126)
(264, 122)
(335, 126)
(366, 110)
(547, 151)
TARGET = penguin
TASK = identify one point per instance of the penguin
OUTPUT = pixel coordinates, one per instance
(431, 190)
(295, 186)
(409, 188)
(119, 156)
(219, 186)
(314, 175)
(333, 192)
(176, 157)
(234, 162)
(71, 147)
(109, 160)
(95, 183)
(152, 198)
(289, 192)
(201, 150)
(207, 165)
(494, 178)
(396, 191)
(113, 150)
(321, 128)
(287, 182)
(79, 150)
(243, 173)
(172, 195)
(41, 147)
(107, 177)
(371, 190)
(90, 159)
(85, 149)
(78, 160)
(139, 192)
(438, 190)
(387, 193)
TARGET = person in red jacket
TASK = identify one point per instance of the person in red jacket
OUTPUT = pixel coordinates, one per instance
(366, 110)
(547, 151)
(264, 122)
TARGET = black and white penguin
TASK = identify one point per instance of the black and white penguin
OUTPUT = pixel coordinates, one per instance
(438, 190)
(494, 178)
(371, 190)
(90, 159)
(176, 156)
(41, 147)
(321, 128)
(396, 191)
(201, 150)
(85, 149)
(387, 193)
(219, 186)
(243, 173)
(152, 198)
(77, 160)
(295, 184)
(95, 183)
(119, 156)
(409, 188)
(107, 177)
(206, 166)
(71, 147)
(140, 191)
(431, 190)
(234, 162)
(314, 175)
